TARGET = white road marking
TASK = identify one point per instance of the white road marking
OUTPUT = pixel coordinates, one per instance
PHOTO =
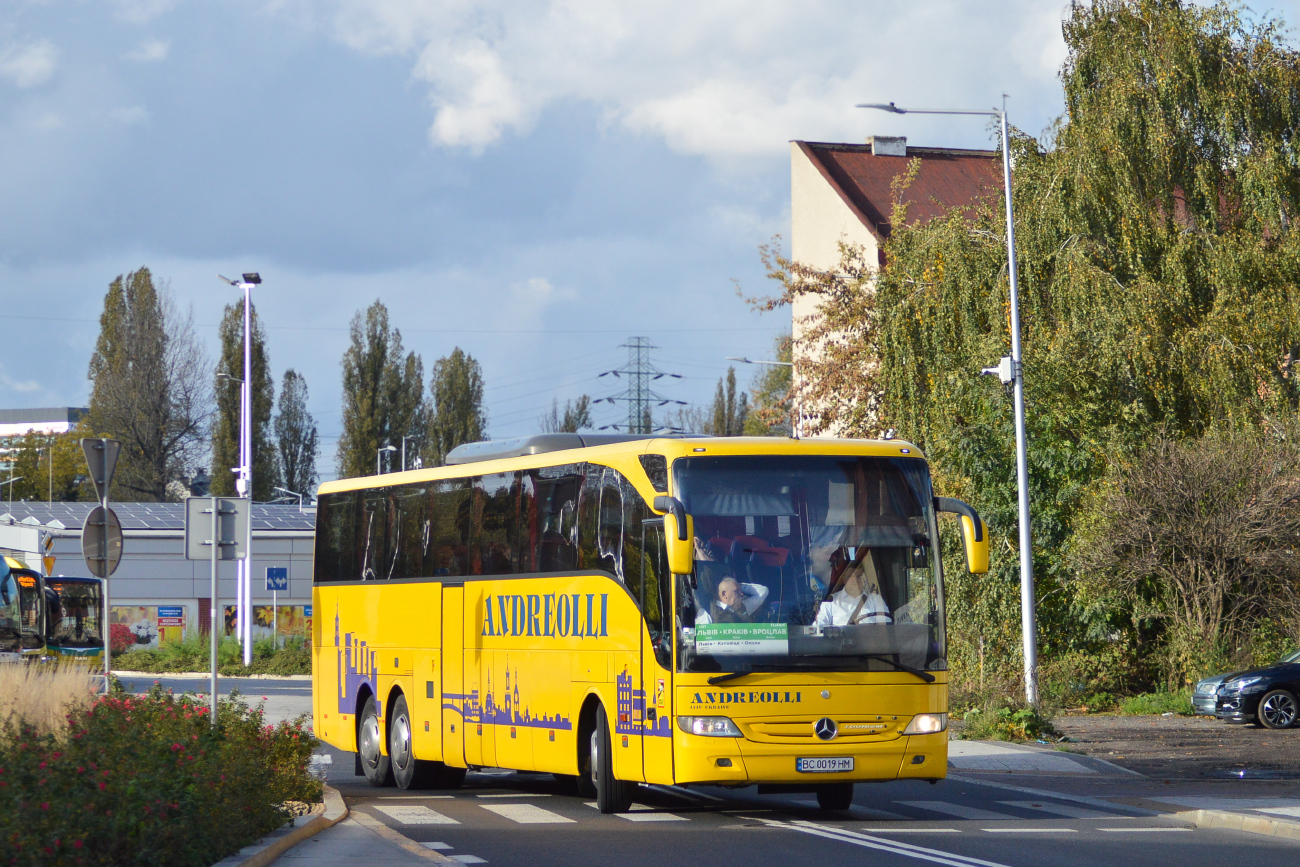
(514, 795)
(441, 847)
(949, 809)
(1030, 830)
(1146, 830)
(652, 817)
(527, 814)
(468, 859)
(914, 831)
(894, 847)
(408, 815)
(1280, 811)
(1059, 810)
(413, 797)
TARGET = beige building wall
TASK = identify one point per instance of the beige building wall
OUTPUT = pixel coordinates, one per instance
(819, 220)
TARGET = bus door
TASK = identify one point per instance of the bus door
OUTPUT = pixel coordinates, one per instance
(455, 704)
(656, 654)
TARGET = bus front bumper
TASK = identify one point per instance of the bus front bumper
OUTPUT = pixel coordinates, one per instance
(743, 762)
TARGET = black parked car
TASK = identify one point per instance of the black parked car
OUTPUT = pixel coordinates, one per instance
(1266, 696)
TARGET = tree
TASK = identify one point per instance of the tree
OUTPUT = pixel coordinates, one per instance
(576, 416)
(383, 393)
(771, 407)
(31, 467)
(225, 428)
(458, 414)
(729, 413)
(1157, 262)
(149, 387)
(295, 435)
(1201, 534)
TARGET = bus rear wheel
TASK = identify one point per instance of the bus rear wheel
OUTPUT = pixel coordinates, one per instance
(408, 771)
(612, 795)
(374, 764)
(835, 796)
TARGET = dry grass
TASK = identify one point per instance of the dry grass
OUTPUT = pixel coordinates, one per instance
(43, 695)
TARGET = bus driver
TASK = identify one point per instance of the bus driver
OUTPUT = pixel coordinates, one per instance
(858, 600)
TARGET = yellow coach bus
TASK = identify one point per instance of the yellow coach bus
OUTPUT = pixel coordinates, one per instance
(621, 609)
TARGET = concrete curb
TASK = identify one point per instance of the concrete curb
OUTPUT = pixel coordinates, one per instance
(335, 811)
(397, 839)
(1242, 822)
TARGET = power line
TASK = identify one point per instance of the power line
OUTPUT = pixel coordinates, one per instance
(638, 395)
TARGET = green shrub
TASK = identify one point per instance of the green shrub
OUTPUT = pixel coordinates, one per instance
(1006, 723)
(1179, 702)
(148, 780)
(193, 654)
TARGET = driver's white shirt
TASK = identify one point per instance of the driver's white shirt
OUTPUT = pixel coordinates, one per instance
(837, 610)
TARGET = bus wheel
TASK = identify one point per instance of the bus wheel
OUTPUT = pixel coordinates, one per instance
(612, 795)
(835, 796)
(374, 763)
(408, 772)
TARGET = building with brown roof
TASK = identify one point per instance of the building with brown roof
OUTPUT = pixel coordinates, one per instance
(843, 193)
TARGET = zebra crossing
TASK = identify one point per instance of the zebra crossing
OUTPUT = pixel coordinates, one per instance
(542, 809)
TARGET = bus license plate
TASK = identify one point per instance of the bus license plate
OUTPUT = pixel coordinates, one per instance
(827, 765)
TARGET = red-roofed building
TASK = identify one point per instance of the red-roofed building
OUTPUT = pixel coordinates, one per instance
(842, 192)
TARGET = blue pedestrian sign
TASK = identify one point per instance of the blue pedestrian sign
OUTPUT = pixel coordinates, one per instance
(277, 578)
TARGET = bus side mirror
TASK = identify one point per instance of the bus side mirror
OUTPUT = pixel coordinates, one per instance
(679, 535)
(973, 535)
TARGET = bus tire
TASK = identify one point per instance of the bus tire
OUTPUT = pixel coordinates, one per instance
(835, 796)
(612, 795)
(375, 765)
(408, 771)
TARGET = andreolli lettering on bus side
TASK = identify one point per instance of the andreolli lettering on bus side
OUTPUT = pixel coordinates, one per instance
(547, 615)
(756, 697)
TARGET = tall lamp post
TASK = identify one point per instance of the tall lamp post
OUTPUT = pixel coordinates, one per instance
(404, 439)
(244, 483)
(379, 457)
(1011, 371)
(796, 429)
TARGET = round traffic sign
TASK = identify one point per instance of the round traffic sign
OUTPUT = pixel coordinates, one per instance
(101, 542)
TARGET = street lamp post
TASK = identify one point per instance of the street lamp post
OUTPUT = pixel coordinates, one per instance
(379, 457)
(404, 439)
(1014, 372)
(796, 429)
(244, 484)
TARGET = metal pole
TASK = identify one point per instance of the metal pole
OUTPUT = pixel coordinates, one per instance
(246, 620)
(1028, 616)
(275, 618)
(49, 456)
(215, 612)
(103, 559)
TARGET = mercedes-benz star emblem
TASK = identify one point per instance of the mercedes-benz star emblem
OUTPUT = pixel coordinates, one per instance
(825, 728)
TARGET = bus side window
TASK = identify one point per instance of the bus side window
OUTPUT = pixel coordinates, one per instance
(336, 538)
(374, 535)
(656, 590)
(449, 513)
(495, 512)
(557, 513)
(609, 545)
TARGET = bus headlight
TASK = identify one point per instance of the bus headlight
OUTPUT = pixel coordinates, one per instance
(927, 724)
(709, 726)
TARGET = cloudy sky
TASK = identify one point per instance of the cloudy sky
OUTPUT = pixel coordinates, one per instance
(532, 181)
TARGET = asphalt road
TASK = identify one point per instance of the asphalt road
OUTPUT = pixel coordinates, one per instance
(510, 818)
(507, 818)
(284, 698)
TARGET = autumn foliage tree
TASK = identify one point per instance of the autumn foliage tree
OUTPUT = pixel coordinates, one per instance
(1158, 266)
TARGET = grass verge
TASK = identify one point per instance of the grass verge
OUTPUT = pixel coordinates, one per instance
(1179, 702)
(193, 654)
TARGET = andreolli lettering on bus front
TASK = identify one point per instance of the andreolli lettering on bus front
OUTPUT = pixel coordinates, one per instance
(752, 697)
(547, 615)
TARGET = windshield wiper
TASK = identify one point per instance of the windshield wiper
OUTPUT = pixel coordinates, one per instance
(883, 657)
(758, 669)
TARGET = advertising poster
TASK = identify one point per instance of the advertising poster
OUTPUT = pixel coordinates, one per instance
(284, 621)
(144, 626)
(171, 623)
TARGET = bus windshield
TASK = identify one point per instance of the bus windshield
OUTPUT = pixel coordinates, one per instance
(10, 615)
(76, 613)
(810, 563)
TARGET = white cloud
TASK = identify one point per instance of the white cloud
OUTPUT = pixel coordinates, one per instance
(30, 64)
(142, 11)
(727, 78)
(25, 386)
(150, 51)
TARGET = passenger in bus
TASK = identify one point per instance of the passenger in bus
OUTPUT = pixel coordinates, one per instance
(858, 600)
(733, 602)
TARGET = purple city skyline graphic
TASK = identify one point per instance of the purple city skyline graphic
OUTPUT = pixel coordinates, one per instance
(631, 712)
(357, 664)
(509, 711)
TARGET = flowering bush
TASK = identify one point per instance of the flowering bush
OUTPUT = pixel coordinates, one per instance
(121, 636)
(148, 780)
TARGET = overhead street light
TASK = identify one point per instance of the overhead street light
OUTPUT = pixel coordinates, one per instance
(244, 483)
(1010, 370)
(379, 456)
(796, 429)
